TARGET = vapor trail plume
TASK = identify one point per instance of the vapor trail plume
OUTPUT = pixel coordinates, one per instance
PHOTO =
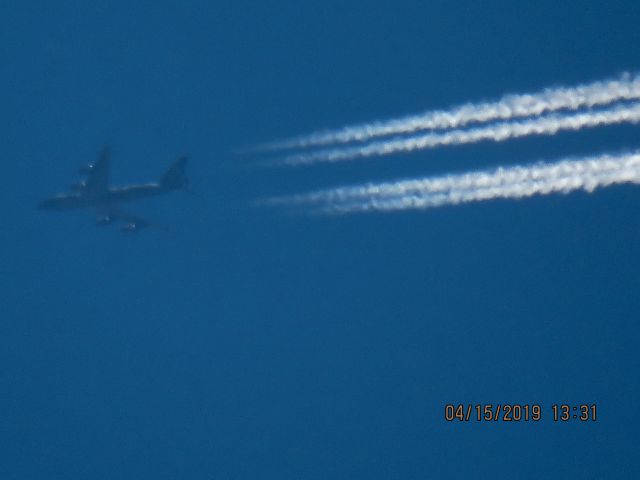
(498, 132)
(509, 107)
(512, 182)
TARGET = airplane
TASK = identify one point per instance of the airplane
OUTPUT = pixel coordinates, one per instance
(95, 192)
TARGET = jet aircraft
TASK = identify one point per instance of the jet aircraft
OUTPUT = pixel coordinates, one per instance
(95, 192)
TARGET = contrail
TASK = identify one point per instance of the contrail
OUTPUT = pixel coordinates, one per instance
(498, 132)
(509, 107)
(513, 182)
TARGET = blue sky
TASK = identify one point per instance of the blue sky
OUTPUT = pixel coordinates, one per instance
(242, 342)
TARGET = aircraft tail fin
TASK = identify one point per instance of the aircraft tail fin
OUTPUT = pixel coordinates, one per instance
(175, 178)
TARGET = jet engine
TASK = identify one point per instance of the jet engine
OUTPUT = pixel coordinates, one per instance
(104, 220)
(134, 225)
(86, 169)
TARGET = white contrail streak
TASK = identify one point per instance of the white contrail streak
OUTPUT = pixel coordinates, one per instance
(512, 182)
(498, 132)
(509, 107)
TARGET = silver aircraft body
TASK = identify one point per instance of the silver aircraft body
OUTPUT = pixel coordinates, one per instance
(94, 192)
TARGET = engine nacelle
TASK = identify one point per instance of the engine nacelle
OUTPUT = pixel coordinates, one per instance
(78, 186)
(134, 225)
(87, 169)
(129, 227)
(104, 220)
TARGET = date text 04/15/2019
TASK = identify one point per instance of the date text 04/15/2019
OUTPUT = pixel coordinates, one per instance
(516, 412)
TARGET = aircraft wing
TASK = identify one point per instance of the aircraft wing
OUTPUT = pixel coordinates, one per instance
(97, 181)
(131, 223)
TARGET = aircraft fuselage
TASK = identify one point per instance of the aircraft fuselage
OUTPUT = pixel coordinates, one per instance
(69, 201)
